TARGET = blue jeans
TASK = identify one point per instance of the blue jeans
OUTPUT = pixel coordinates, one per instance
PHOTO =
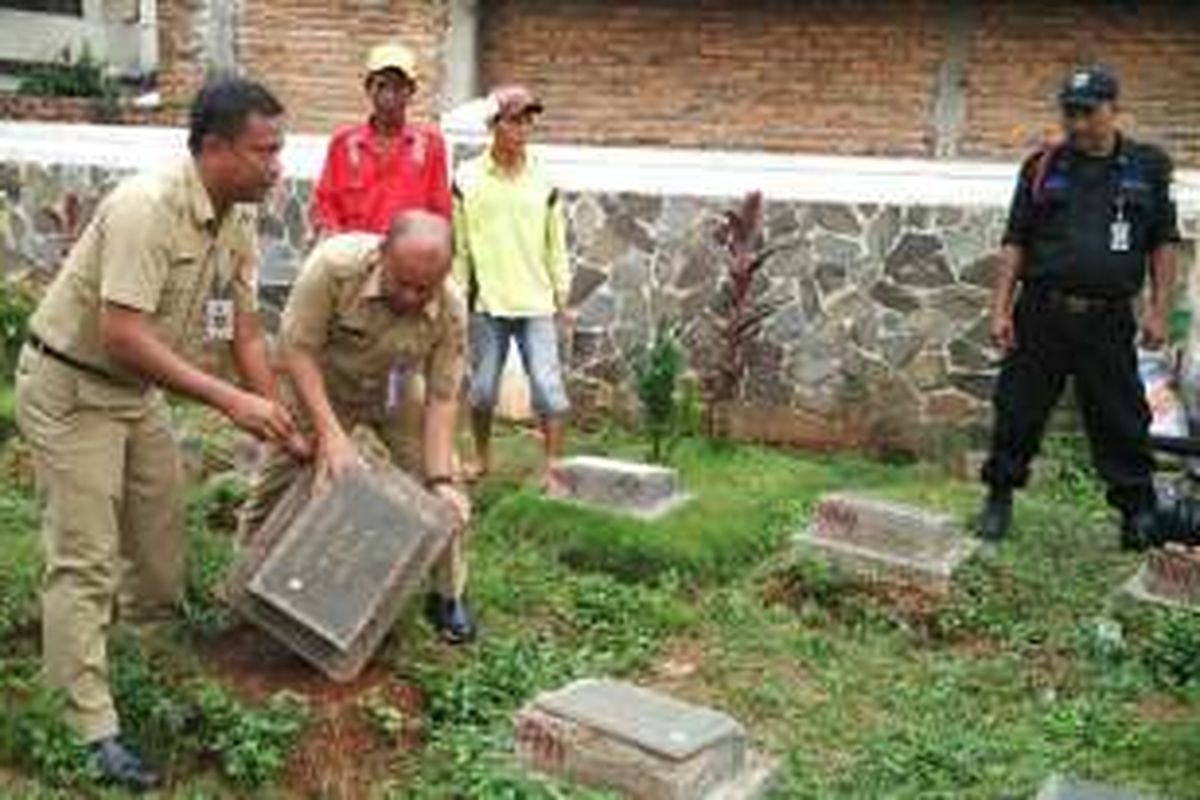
(537, 339)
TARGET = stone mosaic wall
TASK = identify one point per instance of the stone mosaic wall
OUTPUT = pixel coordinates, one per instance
(877, 335)
(877, 328)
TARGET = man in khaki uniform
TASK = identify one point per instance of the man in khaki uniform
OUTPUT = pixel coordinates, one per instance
(165, 270)
(364, 309)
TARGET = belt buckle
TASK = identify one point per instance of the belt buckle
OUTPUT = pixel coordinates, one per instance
(1076, 305)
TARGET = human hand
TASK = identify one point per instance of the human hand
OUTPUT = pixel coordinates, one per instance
(458, 501)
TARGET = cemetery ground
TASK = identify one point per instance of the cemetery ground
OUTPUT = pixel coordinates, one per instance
(1028, 667)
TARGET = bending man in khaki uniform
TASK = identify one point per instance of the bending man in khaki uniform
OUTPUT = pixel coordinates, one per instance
(367, 307)
(165, 270)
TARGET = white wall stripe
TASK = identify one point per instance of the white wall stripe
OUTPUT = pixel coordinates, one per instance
(702, 173)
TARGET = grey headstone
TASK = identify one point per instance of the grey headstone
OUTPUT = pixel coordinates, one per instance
(1060, 788)
(646, 745)
(328, 575)
(885, 539)
(646, 491)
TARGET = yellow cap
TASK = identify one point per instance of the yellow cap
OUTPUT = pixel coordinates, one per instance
(392, 56)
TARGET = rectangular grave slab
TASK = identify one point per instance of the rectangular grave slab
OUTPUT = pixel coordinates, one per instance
(328, 575)
(646, 745)
(887, 540)
(1168, 577)
(1062, 788)
(646, 491)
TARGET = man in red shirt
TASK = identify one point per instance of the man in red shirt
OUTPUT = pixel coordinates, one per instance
(375, 170)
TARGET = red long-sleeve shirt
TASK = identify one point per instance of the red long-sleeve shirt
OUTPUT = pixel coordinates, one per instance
(362, 187)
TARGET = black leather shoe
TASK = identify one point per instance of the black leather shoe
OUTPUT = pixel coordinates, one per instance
(996, 518)
(1139, 530)
(452, 619)
(121, 766)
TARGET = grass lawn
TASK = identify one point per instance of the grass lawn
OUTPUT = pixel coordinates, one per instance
(1029, 667)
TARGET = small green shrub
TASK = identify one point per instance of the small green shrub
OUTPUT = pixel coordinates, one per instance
(16, 306)
(20, 569)
(188, 719)
(657, 369)
(34, 737)
(69, 76)
(1172, 652)
(252, 743)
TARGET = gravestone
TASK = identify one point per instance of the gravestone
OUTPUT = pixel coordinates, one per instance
(1168, 577)
(1061, 788)
(883, 539)
(648, 746)
(646, 491)
(328, 575)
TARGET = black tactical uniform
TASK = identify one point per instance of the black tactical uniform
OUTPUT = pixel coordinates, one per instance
(1086, 226)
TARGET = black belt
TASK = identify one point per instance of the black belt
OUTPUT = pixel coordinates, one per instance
(37, 344)
(1080, 303)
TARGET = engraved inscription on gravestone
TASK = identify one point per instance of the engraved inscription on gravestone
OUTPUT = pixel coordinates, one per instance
(881, 538)
(652, 721)
(328, 574)
(647, 491)
(641, 743)
(333, 571)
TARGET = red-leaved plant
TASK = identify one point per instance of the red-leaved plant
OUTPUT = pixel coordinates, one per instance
(740, 316)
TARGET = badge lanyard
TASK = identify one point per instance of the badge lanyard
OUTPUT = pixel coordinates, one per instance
(218, 309)
(1119, 230)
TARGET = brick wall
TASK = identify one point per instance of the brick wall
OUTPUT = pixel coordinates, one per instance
(312, 51)
(1020, 51)
(308, 51)
(75, 109)
(834, 77)
(837, 77)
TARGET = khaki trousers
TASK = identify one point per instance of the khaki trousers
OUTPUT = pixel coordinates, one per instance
(109, 472)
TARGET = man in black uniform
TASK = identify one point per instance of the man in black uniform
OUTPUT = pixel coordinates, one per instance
(1088, 218)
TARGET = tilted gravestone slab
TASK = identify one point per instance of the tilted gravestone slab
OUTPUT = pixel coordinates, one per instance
(1169, 577)
(1060, 788)
(328, 575)
(613, 735)
(647, 491)
(880, 538)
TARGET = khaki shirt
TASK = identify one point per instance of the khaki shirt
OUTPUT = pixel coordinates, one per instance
(154, 245)
(338, 312)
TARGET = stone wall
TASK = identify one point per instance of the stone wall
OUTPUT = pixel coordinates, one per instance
(877, 333)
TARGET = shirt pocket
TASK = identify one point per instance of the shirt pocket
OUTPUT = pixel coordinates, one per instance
(179, 302)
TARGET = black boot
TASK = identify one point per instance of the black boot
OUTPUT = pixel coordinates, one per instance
(996, 517)
(452, 619)
(121, 766)
(1139, 530)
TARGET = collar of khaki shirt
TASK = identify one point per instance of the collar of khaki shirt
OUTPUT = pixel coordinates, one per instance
(372, 289)
(198, 198)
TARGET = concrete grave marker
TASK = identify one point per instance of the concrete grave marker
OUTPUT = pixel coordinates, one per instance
(1061, 788)
(1168, 577)
(886, 539)
(646, 491)
(328, 575)
(613, 735)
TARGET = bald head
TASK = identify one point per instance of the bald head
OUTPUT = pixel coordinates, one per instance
(416, 258)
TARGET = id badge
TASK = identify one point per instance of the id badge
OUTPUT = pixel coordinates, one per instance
(1119, 237)
(218, 319)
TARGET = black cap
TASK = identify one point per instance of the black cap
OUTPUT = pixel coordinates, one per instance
(1088, 87)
